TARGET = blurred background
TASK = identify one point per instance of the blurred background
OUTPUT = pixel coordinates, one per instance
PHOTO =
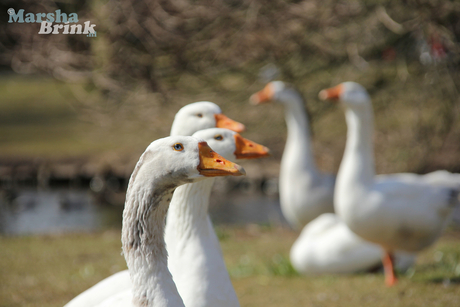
(76, 112)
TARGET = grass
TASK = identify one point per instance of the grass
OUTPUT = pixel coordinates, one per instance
(39, 117)
(50, 270)
(416, 126)
(35, 117)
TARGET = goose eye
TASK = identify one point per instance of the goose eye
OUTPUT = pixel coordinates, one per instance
(199, 115)
(218, 137)
(178, 147)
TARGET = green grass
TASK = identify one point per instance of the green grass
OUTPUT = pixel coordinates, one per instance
(40, 117)
(50, 270)
(37, 119)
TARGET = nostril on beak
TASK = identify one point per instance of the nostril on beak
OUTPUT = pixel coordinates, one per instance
(220, 161)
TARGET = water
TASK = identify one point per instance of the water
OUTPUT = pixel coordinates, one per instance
(31, 211)
(27, 211)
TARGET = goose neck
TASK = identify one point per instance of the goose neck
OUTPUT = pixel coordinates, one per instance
(358, 161)
(298, 153)
(144, 246)
(189, 207)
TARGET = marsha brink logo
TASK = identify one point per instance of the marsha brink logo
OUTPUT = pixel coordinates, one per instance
(62, 22)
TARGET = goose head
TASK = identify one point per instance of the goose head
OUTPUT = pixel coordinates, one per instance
(177, 160)
(350, 95)
(276, 91)
(202, 115)
(231, 145)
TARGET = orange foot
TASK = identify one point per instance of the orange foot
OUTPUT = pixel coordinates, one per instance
(388, 268)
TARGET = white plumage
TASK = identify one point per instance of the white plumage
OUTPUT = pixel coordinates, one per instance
(325, 245)
(188, 120)
(195, 257)
(305, 192)
(166, 164)
(401, 211)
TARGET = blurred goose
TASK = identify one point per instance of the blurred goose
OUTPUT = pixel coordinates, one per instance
(325, 244)
(202, 115)
(305, 192)
(195, 257)
(166, 164)
(188, 120)
(401, 211)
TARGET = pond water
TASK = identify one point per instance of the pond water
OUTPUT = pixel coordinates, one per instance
(33, 211)
(26, 211)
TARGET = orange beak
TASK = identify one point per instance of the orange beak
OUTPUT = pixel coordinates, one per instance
(223, 121)
(213, 165)
(246, 149)
(332, 93)
(265, 95)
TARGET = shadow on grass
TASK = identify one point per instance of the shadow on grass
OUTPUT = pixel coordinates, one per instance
(445, 281)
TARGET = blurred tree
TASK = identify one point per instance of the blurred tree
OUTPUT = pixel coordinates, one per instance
(145, 48)
(152, 42)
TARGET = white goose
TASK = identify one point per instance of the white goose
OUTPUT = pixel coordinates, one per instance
(401, 211)
(305, 192)
(325, 245)
(202, 115)
(189, 119)
(195, 257)
(166, 164)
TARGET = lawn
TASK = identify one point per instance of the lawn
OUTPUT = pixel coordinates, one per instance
(50, 270)
(38, 119)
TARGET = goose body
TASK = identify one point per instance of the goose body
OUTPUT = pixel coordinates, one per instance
(305, 192)
(166, 164)
(401, 211)
(108, 287)
(195, 257)
(325, 245)
(188, 120)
